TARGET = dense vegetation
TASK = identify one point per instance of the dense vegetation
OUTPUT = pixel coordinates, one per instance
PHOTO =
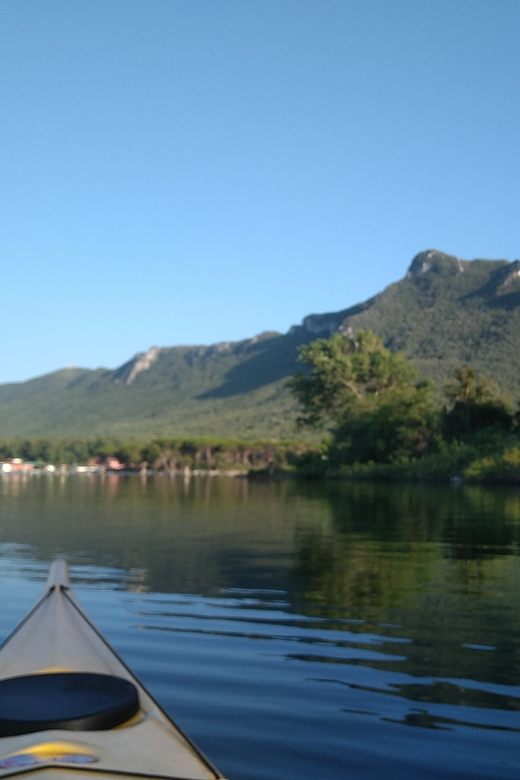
(188, 392)
(381, 420)
(444, 313)
(385, 421)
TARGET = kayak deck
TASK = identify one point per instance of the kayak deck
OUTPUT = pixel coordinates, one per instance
(76, 707)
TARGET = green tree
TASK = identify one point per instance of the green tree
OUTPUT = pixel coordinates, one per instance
(405, 425)
(476, 404)
(373, 400)
(151, 453)
(129, 453)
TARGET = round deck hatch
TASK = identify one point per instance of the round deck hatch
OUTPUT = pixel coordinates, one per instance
(77, 701)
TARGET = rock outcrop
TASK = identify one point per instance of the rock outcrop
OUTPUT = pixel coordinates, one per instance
(141, 362)
(438, 262)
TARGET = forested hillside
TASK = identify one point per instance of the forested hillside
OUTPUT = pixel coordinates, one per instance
(445, 312)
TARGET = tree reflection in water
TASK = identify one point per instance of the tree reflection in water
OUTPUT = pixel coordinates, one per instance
(437, 566)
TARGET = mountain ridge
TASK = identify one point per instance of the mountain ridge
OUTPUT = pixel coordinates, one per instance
(445, 311)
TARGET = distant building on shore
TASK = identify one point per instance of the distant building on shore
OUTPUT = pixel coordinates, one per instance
(13, 465)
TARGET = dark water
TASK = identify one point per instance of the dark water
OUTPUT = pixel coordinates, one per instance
(340, 631)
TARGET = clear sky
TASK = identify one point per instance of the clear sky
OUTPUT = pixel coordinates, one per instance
(194, 171)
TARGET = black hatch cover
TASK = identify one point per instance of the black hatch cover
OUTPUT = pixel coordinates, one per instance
(77, 701)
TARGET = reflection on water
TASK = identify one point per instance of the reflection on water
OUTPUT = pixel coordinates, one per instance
(296, 630)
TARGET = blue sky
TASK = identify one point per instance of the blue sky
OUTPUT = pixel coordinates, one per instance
(193, 171)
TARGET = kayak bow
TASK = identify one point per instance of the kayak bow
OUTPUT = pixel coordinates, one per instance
(70, 707)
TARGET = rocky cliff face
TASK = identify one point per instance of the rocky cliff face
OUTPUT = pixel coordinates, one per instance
(319, 325)
(141, 362)
(237, 348)
(435, 262)
(510, 278)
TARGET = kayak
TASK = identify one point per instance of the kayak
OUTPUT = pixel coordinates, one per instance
(70, 708)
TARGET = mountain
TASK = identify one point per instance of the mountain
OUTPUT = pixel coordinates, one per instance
(446, 311)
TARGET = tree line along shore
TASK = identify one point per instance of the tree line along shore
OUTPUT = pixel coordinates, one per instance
(157, 455)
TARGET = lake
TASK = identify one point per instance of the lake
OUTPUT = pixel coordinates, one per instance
(293, 630)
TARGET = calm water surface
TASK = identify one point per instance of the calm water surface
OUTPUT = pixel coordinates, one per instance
(315, 631)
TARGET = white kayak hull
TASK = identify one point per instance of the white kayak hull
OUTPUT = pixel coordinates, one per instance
(57, 639)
